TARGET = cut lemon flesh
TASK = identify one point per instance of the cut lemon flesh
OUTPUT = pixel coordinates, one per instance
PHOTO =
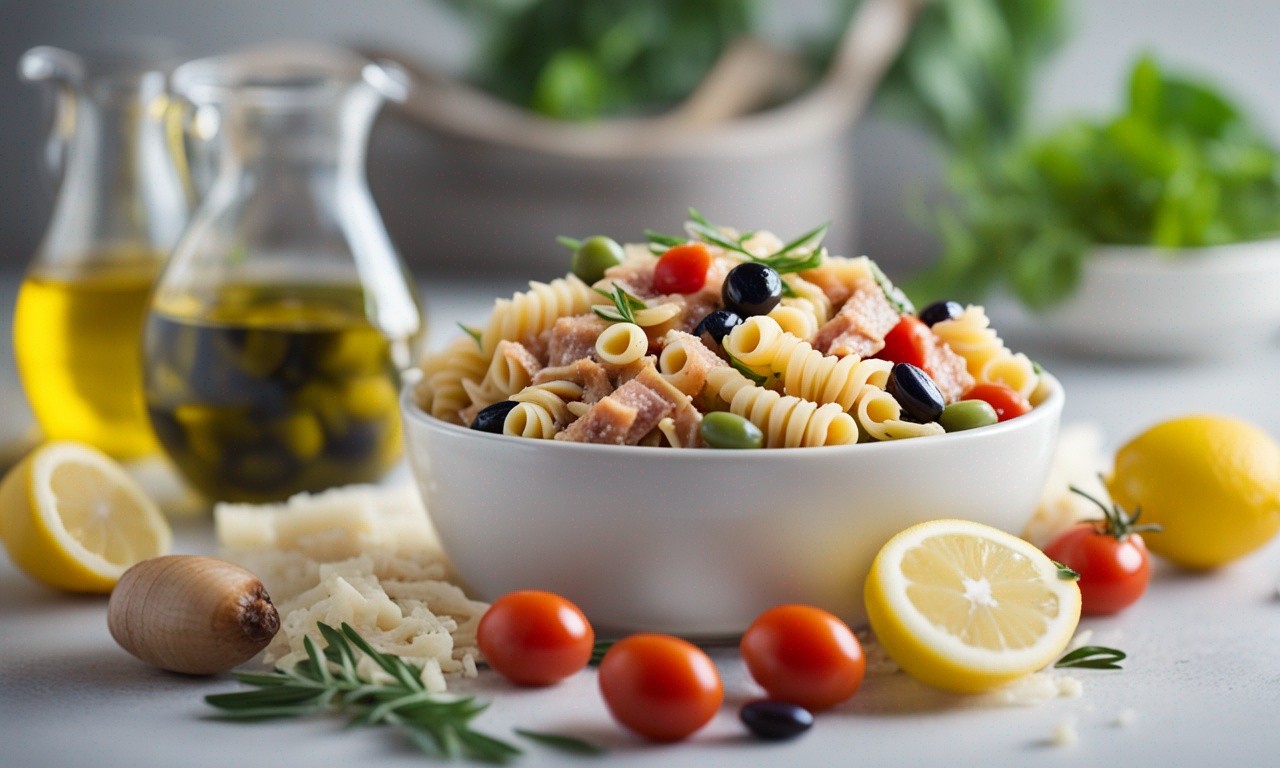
(73, 519)
(965, 607)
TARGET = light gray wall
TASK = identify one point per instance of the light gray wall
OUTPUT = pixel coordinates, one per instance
(1237, 41)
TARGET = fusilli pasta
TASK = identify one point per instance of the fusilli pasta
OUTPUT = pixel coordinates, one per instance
(986, 357)
(543, 410)
(531, 312)
(787, 422)
(441, 391)
(880, 416)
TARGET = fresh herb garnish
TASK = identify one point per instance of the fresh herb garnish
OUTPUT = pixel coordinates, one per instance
(1092, 657)
(804, 252)
(742, 368)
(1115, 521)
(327, 683)
(473, 333)
(624, 305)
(570, 744)
(892, 292)
(1065, 573)
(571, 243)
(599, 650)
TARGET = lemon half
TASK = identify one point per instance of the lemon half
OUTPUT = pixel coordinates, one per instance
(965, 607)
(73, 519)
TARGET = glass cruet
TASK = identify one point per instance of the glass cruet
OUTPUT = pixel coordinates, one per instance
(278, 331)
(119, 207)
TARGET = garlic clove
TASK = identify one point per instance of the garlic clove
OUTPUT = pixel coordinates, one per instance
(191, 614)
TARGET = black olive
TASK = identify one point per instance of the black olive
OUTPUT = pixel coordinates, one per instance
(751, 289)
(916, 392)
(775, 720)
(492, 417)
(939, 311)
(718, 324)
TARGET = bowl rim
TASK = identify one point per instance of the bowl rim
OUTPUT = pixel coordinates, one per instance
(1049, 409)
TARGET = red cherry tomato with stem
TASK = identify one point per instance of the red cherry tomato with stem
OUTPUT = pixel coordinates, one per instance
(1110, 556)
(908, 342)
(803, 655)
(1006, 401)
(682, 269)
(659, 686)
(535, 638)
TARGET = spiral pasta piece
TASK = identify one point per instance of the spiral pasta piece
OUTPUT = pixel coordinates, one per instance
(531, 312)
(441, 392)
(622, 344)
(986, 357)
(797, 319)
(880, 417)
(786, 421)
(761, 344)
(543, 410)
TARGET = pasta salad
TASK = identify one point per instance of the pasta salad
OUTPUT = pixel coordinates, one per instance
(725, 339)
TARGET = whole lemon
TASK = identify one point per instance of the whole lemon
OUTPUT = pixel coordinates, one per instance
(1213, 482)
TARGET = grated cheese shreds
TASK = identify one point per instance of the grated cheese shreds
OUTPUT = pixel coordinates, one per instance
(1077, 460)
(363, 555)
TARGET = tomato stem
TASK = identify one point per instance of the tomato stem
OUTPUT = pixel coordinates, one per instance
(1115, 520)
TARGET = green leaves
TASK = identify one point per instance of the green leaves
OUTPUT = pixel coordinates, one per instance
(1180, 167)
(1092, 657)
(327, 683)
(473, 333)
(804, 252)
(568, 744)
(1066, 573)
(624, 306)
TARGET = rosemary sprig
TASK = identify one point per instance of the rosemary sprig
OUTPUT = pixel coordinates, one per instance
(892, 292)
(745, 370)
(599, 650)
(1092, 657)
(327, 683)
(569, 744)
(1066, 573)
(624, 305)
(804, 252)
(473, 333)
(1116, 521)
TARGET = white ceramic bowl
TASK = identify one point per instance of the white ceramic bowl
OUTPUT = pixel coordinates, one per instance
(1140, 302)
(699, 543)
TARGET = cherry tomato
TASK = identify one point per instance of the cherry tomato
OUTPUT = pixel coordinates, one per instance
(682, 269)
(659, 686)
(1110, 556)
(803, 655)
(1007, 403)
(535, 638)
(908, 342)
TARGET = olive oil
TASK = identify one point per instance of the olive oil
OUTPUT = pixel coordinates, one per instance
(270, 391)
(78, 344)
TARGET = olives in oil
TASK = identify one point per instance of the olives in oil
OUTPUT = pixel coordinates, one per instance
(270, 392)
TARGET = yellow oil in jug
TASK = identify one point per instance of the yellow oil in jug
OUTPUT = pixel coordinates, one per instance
(78, 345)
(270, 391)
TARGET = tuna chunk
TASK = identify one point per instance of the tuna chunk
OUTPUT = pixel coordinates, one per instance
(622, 418)
(574, 338)
(947, 369)
(861, 324)
(592, 376)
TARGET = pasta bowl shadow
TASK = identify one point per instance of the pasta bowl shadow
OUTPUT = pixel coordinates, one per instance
(697, 543)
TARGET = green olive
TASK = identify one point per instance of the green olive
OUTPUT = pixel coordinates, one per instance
(722, 429)
(594, 256)
(967, 414)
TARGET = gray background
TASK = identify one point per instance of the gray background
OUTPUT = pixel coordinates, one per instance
(1233, 40)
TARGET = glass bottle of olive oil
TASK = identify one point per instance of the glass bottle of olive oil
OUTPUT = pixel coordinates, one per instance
(279, 328)
(273, 390)
(77, 341)
(120, 206)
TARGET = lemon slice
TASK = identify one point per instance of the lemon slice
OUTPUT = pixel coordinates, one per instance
(965, 607)
(73, 519)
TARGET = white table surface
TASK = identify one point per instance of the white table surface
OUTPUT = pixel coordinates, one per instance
(1203, 675)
